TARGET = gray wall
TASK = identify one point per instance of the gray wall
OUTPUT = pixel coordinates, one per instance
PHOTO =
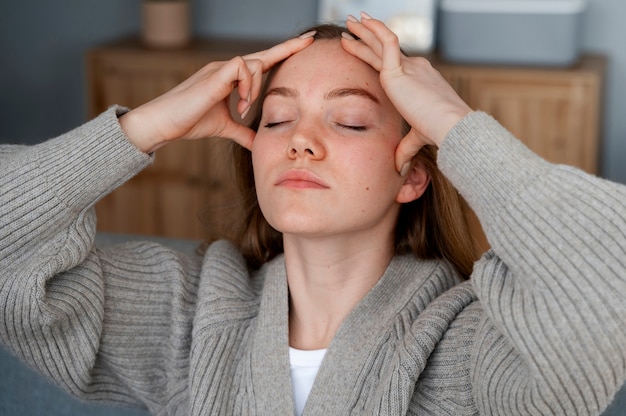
(605, 32)
(42, 86)
(42, 45)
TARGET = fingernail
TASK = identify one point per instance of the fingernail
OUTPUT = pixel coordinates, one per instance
(245, 112)
(346, 35)
(405, 169)
(308, 34)
(351, 18)
(365, 16)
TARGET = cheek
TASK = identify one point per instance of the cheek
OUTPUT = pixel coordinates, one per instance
(260, 161)
(263, 148)
(373, 169)
(378, 150)
(258, 144)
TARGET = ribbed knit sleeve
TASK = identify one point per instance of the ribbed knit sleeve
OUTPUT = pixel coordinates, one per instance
(99, 322)
(554, 285)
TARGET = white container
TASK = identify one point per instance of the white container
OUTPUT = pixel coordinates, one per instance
(526, 32)
(412, 20)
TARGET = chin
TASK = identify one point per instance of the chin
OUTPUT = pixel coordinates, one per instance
(296, 229)
(299, 225)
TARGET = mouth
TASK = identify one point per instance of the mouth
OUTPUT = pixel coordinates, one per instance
(300, 179)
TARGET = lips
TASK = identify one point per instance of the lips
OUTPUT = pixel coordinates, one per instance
(299, 178)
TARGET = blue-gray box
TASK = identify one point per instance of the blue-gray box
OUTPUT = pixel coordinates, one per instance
(523, 32)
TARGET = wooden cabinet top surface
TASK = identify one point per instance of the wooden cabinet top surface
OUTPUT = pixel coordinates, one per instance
(589, 68)
(214, 47)
(229, 47)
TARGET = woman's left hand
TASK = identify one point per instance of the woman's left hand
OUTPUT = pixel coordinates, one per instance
(418, 91)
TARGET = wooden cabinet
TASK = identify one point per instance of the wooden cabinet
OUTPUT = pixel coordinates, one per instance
(554, 111)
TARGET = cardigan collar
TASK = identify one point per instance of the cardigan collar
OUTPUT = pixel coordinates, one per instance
(359, 336)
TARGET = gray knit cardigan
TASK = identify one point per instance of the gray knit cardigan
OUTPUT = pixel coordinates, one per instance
(540, 328)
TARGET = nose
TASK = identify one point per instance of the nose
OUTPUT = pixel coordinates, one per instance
(305, 143)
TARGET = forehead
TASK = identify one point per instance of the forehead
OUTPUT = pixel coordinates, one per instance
(326, 63)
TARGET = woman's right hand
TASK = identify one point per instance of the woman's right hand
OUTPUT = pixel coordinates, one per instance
(198, 107)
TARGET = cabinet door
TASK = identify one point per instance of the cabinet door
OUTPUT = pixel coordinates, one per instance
(555, 120)
(132, 79)
(165, 199)
(554, 113)
(223, 205)
(168, 196)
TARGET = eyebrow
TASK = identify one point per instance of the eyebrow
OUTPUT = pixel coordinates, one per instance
(336, 93)
(345, 92)
(283, 92)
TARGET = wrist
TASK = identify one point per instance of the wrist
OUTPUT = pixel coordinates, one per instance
(133, 125)
(449, 121)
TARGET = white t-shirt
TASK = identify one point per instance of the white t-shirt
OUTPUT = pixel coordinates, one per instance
(304, 366)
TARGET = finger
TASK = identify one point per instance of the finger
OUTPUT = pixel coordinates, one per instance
(240, 134)
(364, 33)
(389, 43)
(270, 57)
(261, 62)
(218, 84)
(243, 84)
(244, 76)
(257, 81)
(248, 84)
(361, 51)
(409, 146)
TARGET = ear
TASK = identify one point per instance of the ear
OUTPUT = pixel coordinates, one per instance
(415, 184)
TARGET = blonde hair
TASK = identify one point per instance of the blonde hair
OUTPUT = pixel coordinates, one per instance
(434, 226)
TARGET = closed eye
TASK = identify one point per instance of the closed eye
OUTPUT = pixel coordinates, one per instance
(274, 124)
(344, 126)
(355, 128)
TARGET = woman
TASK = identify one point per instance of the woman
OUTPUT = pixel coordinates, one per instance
(538, 329)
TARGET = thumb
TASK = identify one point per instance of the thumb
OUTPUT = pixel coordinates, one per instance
(407, 148)
(240, 134)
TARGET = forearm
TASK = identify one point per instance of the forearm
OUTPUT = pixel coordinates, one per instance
(44, 188)
(50, 286)
(554, 286)
(537, 215)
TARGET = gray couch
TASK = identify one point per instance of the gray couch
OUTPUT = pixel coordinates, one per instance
(25, 393)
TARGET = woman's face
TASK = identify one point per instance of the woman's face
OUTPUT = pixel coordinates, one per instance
(323, 155)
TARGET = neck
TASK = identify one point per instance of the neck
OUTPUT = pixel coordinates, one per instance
(327, 279)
